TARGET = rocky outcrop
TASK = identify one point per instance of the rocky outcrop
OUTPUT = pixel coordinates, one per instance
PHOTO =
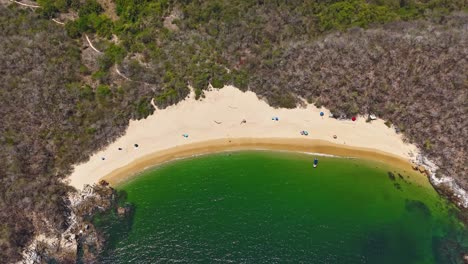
(445, 185)
(81, 240)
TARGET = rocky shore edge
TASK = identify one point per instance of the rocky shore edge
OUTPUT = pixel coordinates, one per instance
(81, 242)
(446, 186)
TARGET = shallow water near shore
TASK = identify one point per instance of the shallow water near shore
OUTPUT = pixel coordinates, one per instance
(274, 207)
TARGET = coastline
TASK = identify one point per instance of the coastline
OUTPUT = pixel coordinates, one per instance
(249, 123)
(318, 147)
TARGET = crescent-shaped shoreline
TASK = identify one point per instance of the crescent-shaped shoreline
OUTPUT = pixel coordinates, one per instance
(238, 144)
(228, 119)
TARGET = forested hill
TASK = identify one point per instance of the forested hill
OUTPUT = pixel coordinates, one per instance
(61, 100)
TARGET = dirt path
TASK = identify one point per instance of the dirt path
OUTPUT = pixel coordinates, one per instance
(23, 4)
(35, 6)
(87, 39)
(91, 44)
(116, 66)
(58, 22)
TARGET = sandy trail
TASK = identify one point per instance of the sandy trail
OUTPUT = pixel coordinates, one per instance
(214, 124)
(58, 22)
(24, 4)
(91, 44)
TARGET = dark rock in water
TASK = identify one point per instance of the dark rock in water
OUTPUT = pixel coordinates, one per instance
(403, 178)
(391, 176)
(447, 249)
(415, 206)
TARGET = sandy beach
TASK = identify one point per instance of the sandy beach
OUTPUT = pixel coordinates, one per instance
(214, 124)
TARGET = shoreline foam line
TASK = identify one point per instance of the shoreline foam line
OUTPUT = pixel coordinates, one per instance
(308, 146)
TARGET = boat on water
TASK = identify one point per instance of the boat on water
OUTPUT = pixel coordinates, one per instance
(315, 162)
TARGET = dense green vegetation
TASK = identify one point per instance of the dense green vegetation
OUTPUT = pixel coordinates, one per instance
(61, 101)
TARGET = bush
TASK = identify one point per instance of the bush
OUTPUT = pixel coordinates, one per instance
(427, 144)
(90, 7)
(101, 24)
(103, 91)
(284, 100)
(73, 29)
(345, 14)
(47, 9)
(167, 98)
(143, 109)
(240, 80)
(115, 53)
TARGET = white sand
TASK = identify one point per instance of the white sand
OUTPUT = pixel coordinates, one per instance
(163, 130)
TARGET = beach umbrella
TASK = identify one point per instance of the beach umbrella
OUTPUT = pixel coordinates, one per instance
(354, 118)
(321, 113)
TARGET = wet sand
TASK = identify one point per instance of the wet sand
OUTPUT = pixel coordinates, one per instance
(225, 145)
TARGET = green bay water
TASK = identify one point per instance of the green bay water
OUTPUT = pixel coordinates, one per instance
(274, 207)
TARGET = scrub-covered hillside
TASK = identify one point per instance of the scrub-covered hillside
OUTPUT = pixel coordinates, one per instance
(61, 99)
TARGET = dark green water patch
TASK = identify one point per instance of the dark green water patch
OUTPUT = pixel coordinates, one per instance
(391, 176)
(271, 207)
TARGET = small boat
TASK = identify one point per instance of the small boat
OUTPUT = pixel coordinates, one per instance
(315, 162)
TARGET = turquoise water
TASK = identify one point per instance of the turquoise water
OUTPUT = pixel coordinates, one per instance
(273, 207)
